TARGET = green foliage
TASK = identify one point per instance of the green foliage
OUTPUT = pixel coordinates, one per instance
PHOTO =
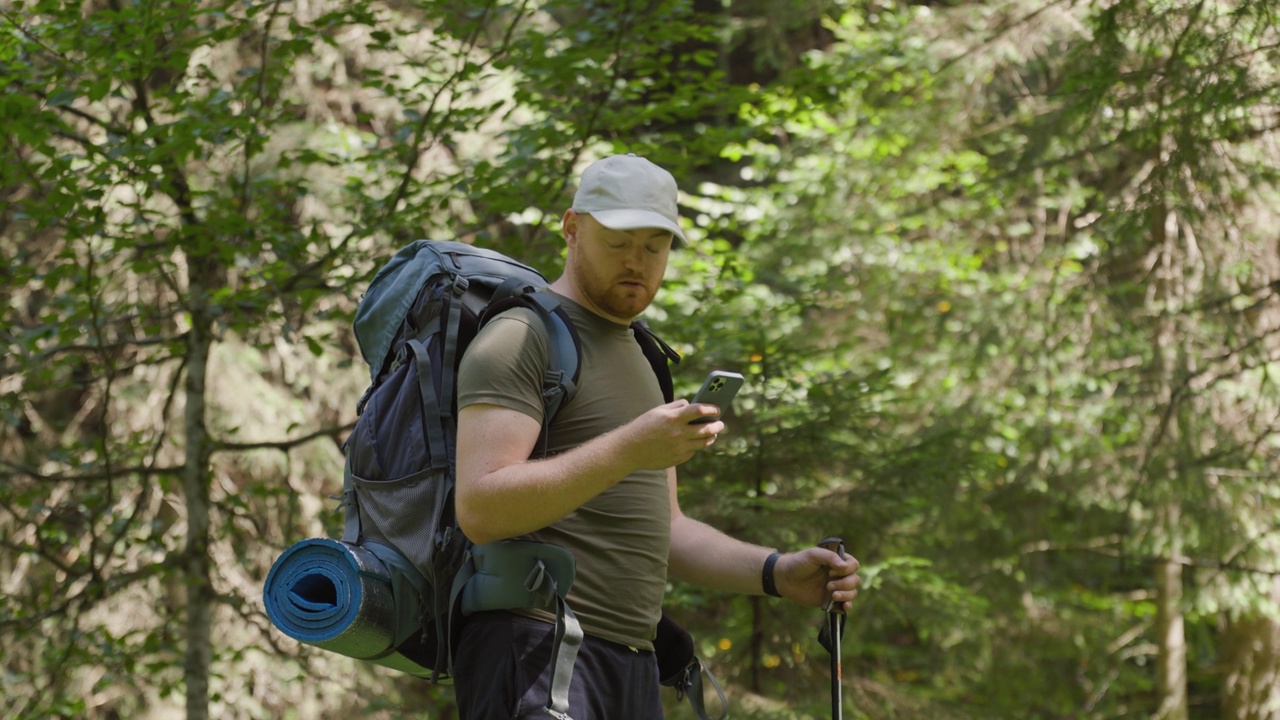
(1000, 278)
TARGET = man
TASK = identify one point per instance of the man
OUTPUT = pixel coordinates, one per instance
(606, 487)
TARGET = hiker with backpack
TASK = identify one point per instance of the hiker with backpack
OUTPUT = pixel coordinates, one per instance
(600, 480)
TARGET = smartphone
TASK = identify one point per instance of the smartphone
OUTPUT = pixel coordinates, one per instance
(718, 389)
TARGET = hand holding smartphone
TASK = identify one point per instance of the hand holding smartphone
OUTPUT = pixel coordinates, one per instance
(718, 389)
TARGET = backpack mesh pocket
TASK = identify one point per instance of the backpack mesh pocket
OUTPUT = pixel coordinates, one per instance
(403, 500)
(406, 513)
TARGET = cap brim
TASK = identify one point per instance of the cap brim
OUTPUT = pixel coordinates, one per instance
(637, 220)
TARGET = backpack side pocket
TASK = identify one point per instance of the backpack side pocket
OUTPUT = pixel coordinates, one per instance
(404, 492)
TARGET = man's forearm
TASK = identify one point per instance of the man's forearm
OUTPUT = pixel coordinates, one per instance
(705, 556)
(523, 497)
(502, 494)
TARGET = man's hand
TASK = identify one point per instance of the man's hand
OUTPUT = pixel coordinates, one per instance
(663, 437)
(814, 575)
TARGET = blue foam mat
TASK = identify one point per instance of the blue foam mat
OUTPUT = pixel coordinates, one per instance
(340, 597)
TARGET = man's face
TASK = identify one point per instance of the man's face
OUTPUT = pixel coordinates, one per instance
(617, 271)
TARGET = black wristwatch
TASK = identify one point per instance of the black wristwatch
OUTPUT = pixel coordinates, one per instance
(766, 576)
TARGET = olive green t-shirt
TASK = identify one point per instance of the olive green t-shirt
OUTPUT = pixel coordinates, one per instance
(620, 538)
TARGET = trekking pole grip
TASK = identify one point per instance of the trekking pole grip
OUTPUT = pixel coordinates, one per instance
(835, 545)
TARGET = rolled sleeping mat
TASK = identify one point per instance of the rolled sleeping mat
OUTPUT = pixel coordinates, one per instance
(345, 599)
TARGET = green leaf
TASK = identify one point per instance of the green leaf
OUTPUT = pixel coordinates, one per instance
(62, 97)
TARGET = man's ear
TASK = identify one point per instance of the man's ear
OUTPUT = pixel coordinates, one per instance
(570, 224)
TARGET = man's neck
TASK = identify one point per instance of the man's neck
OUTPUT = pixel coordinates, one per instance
(564, 287)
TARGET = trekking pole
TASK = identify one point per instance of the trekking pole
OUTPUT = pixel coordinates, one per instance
(831, 634)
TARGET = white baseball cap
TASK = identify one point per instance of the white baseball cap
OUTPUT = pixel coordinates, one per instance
(625, 192)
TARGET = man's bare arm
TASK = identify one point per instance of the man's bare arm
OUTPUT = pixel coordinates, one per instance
(502, 493)
(705, 556)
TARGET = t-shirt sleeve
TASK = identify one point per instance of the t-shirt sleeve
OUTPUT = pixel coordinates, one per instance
(505, 363)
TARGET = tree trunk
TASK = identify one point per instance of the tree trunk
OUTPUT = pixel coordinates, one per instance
(195, 488)
(1164, 472)
(1172, 641)
(1250, 648)
(756, 682)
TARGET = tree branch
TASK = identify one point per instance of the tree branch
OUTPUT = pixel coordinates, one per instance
(282, 445)
(20, 470)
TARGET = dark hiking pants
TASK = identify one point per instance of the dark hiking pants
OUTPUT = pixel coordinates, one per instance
(502, 667)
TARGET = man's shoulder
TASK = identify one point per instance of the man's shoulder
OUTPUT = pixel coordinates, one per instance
(516, 330)
(525, 315)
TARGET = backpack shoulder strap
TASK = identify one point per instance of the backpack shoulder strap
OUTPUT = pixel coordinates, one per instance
(565, 350)
(659, 354)
(564, 361)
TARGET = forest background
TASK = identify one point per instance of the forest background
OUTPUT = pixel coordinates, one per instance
(1002, 276)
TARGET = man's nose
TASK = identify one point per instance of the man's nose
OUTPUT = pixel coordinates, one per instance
(635, 258)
